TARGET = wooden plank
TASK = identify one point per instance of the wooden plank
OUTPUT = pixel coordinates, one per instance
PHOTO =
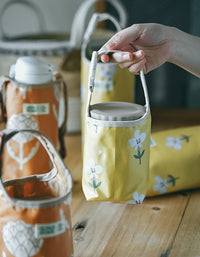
(100, 221)
(148, 229)
(187, 240)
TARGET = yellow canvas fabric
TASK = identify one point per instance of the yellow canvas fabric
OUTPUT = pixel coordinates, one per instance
(112, 169)
(174, 160)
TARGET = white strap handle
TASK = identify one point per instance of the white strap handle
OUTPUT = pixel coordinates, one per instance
(81, 16)
(91, 80)
(96, 18)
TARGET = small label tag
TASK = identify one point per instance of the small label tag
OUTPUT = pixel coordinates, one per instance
(52, 229)
(152, 142)
(36, 109)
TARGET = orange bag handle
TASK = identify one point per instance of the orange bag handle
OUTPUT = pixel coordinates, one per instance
(5, 136)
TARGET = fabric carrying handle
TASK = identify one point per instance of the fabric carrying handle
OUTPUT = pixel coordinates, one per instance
(77, 31)
(96, 18)
(31, 5)
(5, 136)
(91, 80)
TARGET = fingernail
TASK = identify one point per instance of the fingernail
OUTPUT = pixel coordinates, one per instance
(126, 57)
(138, 54)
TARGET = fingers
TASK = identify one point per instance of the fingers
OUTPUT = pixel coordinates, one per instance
(126, 60)
(123, 37)
(134, 62)
(123, 57)
(137, 67)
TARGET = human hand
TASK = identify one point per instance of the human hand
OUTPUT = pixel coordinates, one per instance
(142, 46)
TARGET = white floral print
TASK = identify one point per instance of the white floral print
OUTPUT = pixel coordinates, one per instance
(137, 143)
(136, 198)
(138, 140)
(93, 171)
(175, 142)
(161, 185)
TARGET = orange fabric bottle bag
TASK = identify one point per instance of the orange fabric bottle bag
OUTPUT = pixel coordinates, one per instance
(36, 222)
(31, 100)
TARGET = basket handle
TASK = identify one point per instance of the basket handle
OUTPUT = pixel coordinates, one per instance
(96, 18)
(5, 136)
(91, 80)
(77, 31)
(30, 5)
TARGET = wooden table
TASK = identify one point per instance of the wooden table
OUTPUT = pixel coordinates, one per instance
(167, 226)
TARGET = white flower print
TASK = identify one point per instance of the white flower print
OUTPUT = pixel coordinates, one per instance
(136, 198)
(161, 185)
(93, 171)
(175, 142)
(138, 140)
(137, 143)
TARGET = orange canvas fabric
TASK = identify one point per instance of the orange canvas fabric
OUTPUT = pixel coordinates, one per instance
(35, 211)
(30, 107)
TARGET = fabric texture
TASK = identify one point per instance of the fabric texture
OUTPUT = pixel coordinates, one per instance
(35, 210)
(174, 160)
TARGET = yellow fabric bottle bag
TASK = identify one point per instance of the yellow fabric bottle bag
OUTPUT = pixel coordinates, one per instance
(174, 160)
(116, 148)
(110, 77)
(35, 210)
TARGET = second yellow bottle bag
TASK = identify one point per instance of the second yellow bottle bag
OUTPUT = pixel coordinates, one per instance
(174, 160)
(110, 80)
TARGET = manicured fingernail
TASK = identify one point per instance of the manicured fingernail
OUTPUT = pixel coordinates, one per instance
(139, 54)
(122, 56)
(126, 57)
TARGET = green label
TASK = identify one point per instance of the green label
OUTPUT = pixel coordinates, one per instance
(52, 229)
(36, 109)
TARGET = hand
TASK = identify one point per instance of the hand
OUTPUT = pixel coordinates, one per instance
(143, 46)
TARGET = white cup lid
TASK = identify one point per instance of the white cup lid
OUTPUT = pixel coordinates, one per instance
(32, 70)
(117, 111)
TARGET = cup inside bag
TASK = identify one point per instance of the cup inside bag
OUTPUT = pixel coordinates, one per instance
(117, 111)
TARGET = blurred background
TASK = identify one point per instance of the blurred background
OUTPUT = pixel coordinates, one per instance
(169, 86)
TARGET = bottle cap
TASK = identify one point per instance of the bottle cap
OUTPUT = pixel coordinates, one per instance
(32, 70)
(117, 111)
